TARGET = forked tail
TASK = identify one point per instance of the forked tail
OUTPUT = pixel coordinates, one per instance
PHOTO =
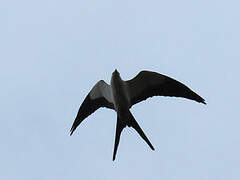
(128, 120)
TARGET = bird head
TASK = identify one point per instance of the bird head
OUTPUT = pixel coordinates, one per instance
(115, 72)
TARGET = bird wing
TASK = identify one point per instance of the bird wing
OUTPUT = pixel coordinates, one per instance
(147, 84)
(99, 96)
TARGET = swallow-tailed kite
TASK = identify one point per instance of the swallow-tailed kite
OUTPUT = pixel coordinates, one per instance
(122, 95)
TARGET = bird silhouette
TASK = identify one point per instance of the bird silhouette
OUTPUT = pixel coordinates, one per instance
(122, 95)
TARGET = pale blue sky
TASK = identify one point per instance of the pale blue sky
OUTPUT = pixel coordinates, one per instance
(53, 52)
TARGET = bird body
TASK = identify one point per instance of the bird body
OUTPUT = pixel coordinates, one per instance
(122, 95)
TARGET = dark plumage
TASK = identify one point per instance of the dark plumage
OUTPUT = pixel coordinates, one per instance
(122, 95)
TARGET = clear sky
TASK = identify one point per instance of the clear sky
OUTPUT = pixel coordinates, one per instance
(52, 54)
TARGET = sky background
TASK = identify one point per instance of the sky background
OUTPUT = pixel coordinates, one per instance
(52, 54)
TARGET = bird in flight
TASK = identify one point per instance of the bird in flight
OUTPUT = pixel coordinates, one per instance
(122, 95)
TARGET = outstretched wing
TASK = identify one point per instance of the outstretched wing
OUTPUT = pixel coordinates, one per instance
(147, 84)
(99, 96)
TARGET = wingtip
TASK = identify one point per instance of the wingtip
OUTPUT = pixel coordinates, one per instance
(71, 131)
(203, 101)
(200, 99)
